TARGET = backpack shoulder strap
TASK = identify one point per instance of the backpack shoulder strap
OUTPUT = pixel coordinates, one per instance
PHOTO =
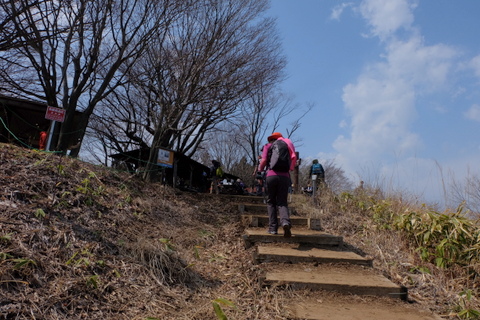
(269, 154)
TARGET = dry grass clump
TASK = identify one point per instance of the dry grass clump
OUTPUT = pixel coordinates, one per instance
(435, 255)
(160, 259)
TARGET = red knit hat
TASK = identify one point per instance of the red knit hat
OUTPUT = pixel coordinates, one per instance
(274, 136)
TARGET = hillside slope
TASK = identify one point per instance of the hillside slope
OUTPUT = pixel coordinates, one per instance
(79, 241)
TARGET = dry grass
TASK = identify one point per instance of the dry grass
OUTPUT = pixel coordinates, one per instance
(369, 224)
(84, 242)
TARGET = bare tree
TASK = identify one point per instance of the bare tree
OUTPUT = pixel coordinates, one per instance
(220, 146)
(252, 122)
(237, 142)
(10, 37)
(260, 115)
(187, 83)
(70, 52)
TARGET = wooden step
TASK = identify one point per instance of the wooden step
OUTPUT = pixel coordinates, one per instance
(260, 208)
(354, 308)
(246, 199)
(346, 280)
(307, 254)
(252, 208)
(300, 236)
(259, 221)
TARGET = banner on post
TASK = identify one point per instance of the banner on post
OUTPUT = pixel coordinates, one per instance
(55, 114)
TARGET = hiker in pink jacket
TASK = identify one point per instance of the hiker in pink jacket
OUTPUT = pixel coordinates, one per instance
(279, 158)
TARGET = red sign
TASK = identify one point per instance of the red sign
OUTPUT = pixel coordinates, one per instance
(55, 114)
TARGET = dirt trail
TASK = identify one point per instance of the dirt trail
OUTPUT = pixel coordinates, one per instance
(343, 284)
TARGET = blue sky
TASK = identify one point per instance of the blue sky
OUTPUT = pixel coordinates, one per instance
(395, 85)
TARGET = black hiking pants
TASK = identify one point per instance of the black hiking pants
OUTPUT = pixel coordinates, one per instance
(277, 201)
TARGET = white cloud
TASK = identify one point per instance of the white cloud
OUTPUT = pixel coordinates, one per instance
(425, 66)
(338, 10)
(343, 124)
(441, 109)
(386, 17)
(473, 113)
(381, 111)
(381, 103)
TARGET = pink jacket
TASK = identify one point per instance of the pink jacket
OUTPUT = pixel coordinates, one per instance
(293, 159)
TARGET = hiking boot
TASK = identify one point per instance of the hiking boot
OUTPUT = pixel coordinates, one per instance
(272, 232)
(286, 231)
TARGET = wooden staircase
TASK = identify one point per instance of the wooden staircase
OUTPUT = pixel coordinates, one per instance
(331, 267)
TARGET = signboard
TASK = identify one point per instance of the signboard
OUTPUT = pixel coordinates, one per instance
(165, 158)
(55, 114)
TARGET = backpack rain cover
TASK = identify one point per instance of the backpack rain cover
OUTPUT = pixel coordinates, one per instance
(317, 168)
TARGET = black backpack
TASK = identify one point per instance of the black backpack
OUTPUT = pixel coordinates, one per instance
(279, 156)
